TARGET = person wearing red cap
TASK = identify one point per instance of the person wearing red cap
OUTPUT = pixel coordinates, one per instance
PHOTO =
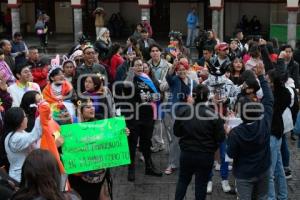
(181, 87)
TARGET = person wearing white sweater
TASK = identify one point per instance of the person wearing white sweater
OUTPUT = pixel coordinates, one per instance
(19, 143)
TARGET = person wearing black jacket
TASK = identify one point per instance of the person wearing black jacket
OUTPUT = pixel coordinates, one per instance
(291, 65)
(200, 137)
(248, 144)
(282, 100)
(142, 96)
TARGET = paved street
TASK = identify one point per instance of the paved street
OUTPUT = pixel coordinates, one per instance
(152, 188)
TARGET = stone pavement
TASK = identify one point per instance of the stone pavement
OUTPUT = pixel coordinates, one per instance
(156, 188)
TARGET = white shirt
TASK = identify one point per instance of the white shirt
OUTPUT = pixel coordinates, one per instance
(16, 92)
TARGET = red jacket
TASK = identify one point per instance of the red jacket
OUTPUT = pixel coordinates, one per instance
(40, 74)
(115, 61)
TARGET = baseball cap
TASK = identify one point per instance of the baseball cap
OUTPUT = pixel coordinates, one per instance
(222, 46)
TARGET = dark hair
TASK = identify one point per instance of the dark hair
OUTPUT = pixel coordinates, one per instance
(254, 50)
(29, 99)
(137, 58)
(286, 46)
(1, 52)
(135, 49)
(132, 40)
(112, 50)
(32, 48)
(17, 34)
(40, 177)
(201, 93)
(155, 45)
(96, 80)
(270, 47)
(232, 70)
(13, 119)
(54, 73)
(19, 68)
(274, 42)
(278, 77)
(144, 30)
(249, 110)
(208, 48)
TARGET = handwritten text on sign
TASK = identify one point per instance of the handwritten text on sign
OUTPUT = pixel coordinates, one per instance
(94, 145)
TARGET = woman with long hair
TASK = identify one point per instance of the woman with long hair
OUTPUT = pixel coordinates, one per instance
(103, 43)
(101, 96)
(93, 184)
(29, 104)
(113, 60)
(236, 70)
(40, 178)
(19, 143)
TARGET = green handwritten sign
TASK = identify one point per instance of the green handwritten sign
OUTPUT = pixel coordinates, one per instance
(94, 145)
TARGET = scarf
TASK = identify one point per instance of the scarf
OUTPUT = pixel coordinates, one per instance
(155, 105)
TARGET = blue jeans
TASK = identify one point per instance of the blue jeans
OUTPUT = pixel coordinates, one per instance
(191, 33)
(224, 165)
(285, 152)
(191, 163)
(277, 176)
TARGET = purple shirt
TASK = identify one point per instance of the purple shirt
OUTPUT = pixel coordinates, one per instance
(6, 73)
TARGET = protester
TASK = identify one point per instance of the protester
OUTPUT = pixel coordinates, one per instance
(101, 96)
(92, 184)
(39, 68)
(68, 66)
(248, 143)
(19, 48)
(236, 69)
(29, 104)
(8, 58)
(40, 178)
(158, 68)
(59, 94)
(146, 24)
(144, 43)
(179, 83)
(137, 32)
(113, 60)
(199, 140)
(18, 143)
(140, 120)
(5, 71)
(22, 85)
(103, 43)
(89, 67)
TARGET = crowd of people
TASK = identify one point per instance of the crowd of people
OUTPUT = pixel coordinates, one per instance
(232, 109)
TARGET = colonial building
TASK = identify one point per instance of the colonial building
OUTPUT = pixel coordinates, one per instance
(73, 16)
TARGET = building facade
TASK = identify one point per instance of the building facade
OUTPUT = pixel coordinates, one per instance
(75, 16)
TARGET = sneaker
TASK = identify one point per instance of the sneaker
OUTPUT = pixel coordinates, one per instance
(209, 187)
(288, 174)
(225, 186)
(170, 170)
(218, 167)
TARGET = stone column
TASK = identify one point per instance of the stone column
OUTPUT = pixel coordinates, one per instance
(77, 11)
(217, 17)
(217, 22)
(292, 25)
(77, 23)
(15, 18)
